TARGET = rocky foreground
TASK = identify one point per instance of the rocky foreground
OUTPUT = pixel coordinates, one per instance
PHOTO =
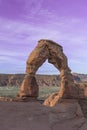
(66, 115)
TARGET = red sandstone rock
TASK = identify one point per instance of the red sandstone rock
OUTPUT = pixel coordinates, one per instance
(29, 87)
(47, 49)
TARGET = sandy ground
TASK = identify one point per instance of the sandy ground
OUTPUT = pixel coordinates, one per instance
(35, 116)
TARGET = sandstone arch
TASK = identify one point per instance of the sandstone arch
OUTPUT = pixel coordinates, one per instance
(47, 49)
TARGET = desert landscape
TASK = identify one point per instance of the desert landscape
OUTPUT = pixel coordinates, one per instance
(43, 68)
(66, 106)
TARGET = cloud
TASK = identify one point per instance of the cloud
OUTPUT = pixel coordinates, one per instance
(32, 7)
(19, 37)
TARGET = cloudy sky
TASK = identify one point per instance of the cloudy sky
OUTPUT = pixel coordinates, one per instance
(24, 22)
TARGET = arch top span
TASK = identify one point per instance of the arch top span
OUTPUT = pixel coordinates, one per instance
(47, 41)
(47, 49)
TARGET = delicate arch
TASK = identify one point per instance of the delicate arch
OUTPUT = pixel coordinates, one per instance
(47, 49)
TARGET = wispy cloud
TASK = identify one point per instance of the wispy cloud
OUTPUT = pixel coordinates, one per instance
(19, 37)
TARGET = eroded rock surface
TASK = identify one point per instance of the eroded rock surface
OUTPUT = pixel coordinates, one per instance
(47, 49)
(34, 116)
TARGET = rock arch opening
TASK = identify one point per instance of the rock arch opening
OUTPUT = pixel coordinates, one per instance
(48, 80)
(47, 49)
(47, 69)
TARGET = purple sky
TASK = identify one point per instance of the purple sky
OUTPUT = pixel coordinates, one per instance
(24, 22)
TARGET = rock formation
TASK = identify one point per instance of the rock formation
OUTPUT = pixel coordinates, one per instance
(34, 116)
(47, 49)
(15, 80)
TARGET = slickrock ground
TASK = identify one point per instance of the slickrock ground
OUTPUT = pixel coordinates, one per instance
(66, 115)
